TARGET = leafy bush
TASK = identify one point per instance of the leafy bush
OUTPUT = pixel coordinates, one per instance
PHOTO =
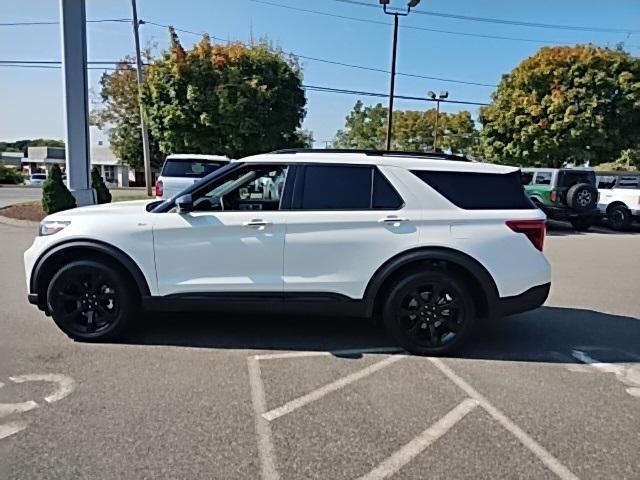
(103, 195)
(55, 194)
(10, 176)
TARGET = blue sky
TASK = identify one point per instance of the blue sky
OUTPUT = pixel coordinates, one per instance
(31, 98)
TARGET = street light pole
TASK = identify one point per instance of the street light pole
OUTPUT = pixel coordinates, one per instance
(146, 154)
(441, 97)
(394, 49)
(435, 132)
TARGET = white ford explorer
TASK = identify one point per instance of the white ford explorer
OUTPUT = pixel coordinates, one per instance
(424, 243)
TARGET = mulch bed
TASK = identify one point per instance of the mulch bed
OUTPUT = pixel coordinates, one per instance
(24, 211)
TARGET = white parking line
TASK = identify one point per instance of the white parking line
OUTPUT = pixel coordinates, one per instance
(65, 384)
(331, 387)
(400, 458)
(263, 429)
(9, 429)
(10, 408)
(629, 376)
(538, 450)
(353, 351)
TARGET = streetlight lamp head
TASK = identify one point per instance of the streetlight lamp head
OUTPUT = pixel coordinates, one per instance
(444, 94)
(431, 95)
(412, 3)
(384, 2)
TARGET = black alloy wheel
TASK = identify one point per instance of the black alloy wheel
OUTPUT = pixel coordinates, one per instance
(429, 313)
(619, 217)
(89, 300)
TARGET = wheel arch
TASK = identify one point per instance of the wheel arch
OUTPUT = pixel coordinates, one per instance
(52, 258)
(617, 203)
(482, 286)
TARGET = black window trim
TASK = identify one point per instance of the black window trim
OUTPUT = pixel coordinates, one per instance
(296, 204)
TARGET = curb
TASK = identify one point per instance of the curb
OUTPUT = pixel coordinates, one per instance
(18, 223)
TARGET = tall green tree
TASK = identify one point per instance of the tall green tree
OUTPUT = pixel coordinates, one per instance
(55, 194)
(119, 114)
(231, 99)
(413, 130)
(572, 104)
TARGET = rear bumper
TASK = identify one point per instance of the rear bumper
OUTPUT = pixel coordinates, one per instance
(528, 300)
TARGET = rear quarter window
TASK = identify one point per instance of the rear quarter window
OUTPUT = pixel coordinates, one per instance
(479, 191)
(189, 168)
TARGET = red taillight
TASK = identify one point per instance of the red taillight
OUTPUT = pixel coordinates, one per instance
(534, 230)
(553, 196)
(158, 188)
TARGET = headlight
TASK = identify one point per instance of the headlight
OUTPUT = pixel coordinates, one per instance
(51, 227)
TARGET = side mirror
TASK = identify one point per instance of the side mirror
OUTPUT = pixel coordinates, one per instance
(184, 203)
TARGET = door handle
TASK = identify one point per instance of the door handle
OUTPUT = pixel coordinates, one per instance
(393, 220)
(256, 223)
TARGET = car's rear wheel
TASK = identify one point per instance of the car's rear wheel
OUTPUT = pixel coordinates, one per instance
(619, 217)
(429, 313)
(90, 300)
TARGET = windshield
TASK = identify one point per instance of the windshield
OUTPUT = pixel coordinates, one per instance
(189, 168)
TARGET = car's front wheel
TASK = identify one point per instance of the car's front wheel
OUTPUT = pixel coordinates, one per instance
(90, 300)
(429, 313)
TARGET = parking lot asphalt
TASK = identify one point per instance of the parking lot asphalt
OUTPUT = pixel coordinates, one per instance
(10, 195)
(553, 393)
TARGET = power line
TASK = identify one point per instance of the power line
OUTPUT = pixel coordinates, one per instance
(410, 27)
(312, 88)
(502, 21)
(102, 20)
(343, 64)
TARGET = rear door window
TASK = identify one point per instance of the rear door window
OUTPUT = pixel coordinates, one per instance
(479, 191)
(526, 177)
(345, 187)
(629, 181)
(543, 178)
(189, 168)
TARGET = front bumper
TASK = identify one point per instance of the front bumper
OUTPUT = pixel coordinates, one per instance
(528, 300)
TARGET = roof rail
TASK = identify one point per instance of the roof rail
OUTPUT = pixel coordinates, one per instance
(377, 153)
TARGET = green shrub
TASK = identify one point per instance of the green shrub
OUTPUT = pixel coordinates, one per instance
(103, 195)
(55, 194)
(10, 176)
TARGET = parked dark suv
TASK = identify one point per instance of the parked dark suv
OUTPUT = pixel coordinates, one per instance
(564, 194)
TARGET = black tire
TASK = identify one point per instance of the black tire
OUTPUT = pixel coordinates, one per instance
(91, 300)
(582, 224)
(582, 197)
(619, 217)
(421, 310)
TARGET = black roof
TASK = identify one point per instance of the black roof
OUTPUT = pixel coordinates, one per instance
(378, 153)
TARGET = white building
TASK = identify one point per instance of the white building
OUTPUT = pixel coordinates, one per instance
(39, 160)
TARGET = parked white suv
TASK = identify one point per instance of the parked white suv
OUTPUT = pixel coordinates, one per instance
(425, 243)
(619, 198)
(182, 170)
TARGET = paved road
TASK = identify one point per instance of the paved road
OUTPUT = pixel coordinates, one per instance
(178, 399)
(11, 195)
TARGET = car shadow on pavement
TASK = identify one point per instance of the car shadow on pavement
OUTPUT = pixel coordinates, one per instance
(548, 334)
(563, 229)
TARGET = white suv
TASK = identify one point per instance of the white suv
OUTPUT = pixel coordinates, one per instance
(184, 169)
(425, 243)
(619, 198)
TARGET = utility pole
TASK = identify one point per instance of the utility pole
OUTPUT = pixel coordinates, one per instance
(435, 132)
(143, 125)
